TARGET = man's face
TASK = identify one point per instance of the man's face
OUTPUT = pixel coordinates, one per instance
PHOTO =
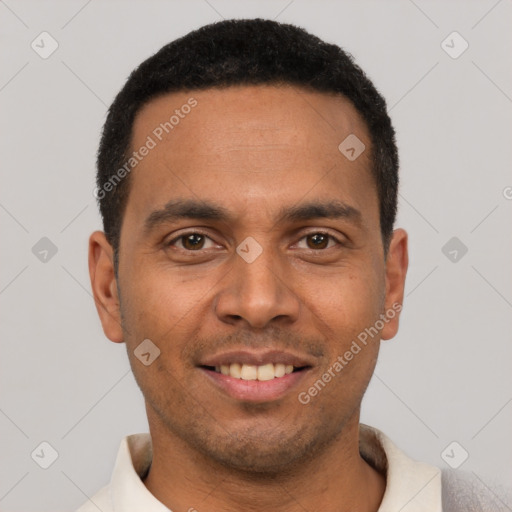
(255, 287)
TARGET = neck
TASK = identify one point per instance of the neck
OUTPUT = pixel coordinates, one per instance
(337, 479)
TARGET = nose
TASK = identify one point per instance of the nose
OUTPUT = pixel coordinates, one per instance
(258, 293)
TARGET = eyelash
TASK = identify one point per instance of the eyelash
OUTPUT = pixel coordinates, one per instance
(196, 232)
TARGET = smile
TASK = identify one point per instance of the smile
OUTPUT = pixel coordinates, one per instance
(263, 372)
(256, 376)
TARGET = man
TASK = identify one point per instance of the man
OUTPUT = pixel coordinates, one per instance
(247, 179)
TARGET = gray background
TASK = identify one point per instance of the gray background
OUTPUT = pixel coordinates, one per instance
(446, 376)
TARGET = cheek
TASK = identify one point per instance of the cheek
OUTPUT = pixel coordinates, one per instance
(159, 302)
(347, 311)
(155, 309)
(347, 302)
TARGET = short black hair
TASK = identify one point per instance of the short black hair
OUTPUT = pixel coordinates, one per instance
(243, 52)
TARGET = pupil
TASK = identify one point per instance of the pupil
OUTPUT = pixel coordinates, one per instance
(319, 240)
(193, 241)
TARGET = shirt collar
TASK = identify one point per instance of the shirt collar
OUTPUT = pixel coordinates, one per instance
(128, 492)
(411, 486)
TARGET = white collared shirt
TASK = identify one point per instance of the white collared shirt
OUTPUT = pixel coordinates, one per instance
(411, 486)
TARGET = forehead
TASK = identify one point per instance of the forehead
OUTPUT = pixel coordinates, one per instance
(222, 117)
(249, 145)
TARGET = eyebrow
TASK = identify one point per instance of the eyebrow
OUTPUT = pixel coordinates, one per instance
(178, 209)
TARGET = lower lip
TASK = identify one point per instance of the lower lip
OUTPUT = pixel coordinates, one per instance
(255, 390)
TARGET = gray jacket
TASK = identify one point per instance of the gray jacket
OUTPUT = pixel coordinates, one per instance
(467, 492)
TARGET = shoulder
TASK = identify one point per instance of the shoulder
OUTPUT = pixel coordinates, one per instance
(467, 492)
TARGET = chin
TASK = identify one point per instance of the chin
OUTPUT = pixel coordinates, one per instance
(262, 454)
(259, 459)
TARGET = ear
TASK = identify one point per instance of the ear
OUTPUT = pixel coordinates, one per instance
(104, 286)
(397, 262)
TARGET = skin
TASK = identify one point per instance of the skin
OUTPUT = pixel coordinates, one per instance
(252, 150)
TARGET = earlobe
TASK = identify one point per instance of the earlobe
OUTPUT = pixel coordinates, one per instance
(397, 262)
(104, 286)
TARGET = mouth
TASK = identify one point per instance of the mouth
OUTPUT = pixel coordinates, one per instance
(255, 377)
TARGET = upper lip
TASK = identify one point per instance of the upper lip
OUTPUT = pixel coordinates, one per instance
(256, 358)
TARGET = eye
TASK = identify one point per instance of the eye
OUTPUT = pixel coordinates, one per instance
(195, 241)
(319, 240)
(192, 241)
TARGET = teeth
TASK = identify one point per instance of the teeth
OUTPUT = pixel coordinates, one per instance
(251, 372)
(266, 372)
(279, 370)
(235, 370)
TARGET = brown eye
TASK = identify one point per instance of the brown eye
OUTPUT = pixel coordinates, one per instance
(318, 240)
(191, 241)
